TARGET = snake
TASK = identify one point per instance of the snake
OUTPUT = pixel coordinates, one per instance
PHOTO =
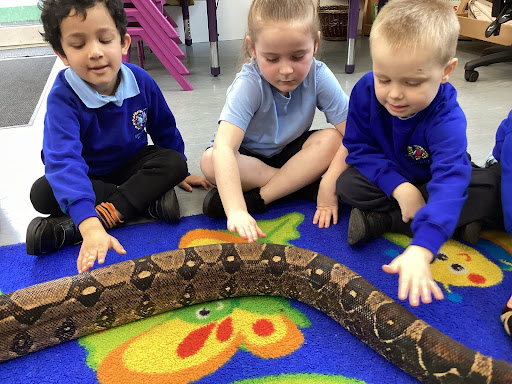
(70, 307)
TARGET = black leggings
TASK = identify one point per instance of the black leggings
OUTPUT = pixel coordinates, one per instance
(482, 203)
(131, 188)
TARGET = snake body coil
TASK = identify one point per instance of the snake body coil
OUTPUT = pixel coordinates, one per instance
(64, 309)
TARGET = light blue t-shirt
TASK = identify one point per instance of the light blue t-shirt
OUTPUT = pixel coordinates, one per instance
(270, 120)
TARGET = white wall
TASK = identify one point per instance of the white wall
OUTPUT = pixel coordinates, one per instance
(17, 3)
(231, 19)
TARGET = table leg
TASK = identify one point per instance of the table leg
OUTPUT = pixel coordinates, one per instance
(211, 9)
(186, 22)
(353, 19)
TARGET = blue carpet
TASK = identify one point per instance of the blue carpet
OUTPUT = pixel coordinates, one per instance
(283, 341)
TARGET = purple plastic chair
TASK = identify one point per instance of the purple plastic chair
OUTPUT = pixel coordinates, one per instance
(153, 27)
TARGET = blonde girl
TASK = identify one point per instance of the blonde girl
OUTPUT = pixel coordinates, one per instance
(263, 149)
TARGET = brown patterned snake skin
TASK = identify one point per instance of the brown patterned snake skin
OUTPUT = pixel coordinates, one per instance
(64, 309)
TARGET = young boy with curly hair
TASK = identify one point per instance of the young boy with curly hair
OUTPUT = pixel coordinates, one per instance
(99, 168)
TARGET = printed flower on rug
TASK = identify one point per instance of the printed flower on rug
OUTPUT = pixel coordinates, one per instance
(190, 343)
(461, 265)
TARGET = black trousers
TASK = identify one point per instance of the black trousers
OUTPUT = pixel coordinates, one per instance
(482, 204)
(131, 188)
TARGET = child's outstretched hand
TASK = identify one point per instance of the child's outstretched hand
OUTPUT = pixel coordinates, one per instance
(509, 304)
(326, 207)
(195, 181)
(245, 225)
(96, 243)
(415, 279)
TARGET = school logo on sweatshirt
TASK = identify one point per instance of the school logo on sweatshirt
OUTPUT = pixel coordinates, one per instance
(139, 119)
(417, 153)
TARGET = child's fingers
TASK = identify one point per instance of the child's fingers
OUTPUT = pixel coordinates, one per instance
(414, 293)
(246, 232)
(335, 216)
(438, 293)
(101, 256)
(86, 261)
(252, 233)
(186, 186)
(82, 261)
(426, 293)
(241, 231)
(116, 246)
(323, 219)
(403, 286)
(316, 217)
(89, 260)
(260, 232)
(327, 220)
(79, 262)
(390, 268)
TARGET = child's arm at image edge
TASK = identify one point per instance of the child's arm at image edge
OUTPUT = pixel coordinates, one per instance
(506, 182)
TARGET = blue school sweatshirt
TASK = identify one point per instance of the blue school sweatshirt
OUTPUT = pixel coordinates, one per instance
(503, 153)
(80, 143)
(429, 147)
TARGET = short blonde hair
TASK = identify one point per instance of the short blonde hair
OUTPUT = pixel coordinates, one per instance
(416, 24)
(274, 11)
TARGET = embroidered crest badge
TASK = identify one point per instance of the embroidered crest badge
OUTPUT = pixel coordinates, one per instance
(139, 119)
(417, 153)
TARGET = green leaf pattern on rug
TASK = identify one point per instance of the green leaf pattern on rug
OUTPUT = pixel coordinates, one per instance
(281, 230)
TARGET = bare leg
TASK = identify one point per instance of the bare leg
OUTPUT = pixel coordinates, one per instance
(303, 168)
(253, 172)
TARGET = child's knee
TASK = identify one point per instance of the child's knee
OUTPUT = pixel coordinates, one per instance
(174, 164)
(328, 140)
(41, 197)
(206, 165)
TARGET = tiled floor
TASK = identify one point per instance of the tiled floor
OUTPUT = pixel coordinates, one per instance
(485, 102)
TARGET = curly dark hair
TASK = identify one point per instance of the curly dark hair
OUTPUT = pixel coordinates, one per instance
(54, 11)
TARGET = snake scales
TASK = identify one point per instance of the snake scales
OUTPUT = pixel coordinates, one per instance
(67, 308)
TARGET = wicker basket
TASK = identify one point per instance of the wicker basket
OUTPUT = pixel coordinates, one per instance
(333, 21)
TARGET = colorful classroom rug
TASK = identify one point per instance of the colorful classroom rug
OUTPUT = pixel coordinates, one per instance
(278, 340)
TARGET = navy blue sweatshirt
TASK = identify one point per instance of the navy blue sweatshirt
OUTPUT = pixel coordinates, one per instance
(81, 142)
(503, 153)
(429, 147)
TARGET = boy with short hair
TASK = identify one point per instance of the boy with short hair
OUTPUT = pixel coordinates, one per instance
(99, 168)
(406, 138)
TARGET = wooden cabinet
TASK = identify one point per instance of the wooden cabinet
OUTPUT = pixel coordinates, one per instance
(475, 29)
